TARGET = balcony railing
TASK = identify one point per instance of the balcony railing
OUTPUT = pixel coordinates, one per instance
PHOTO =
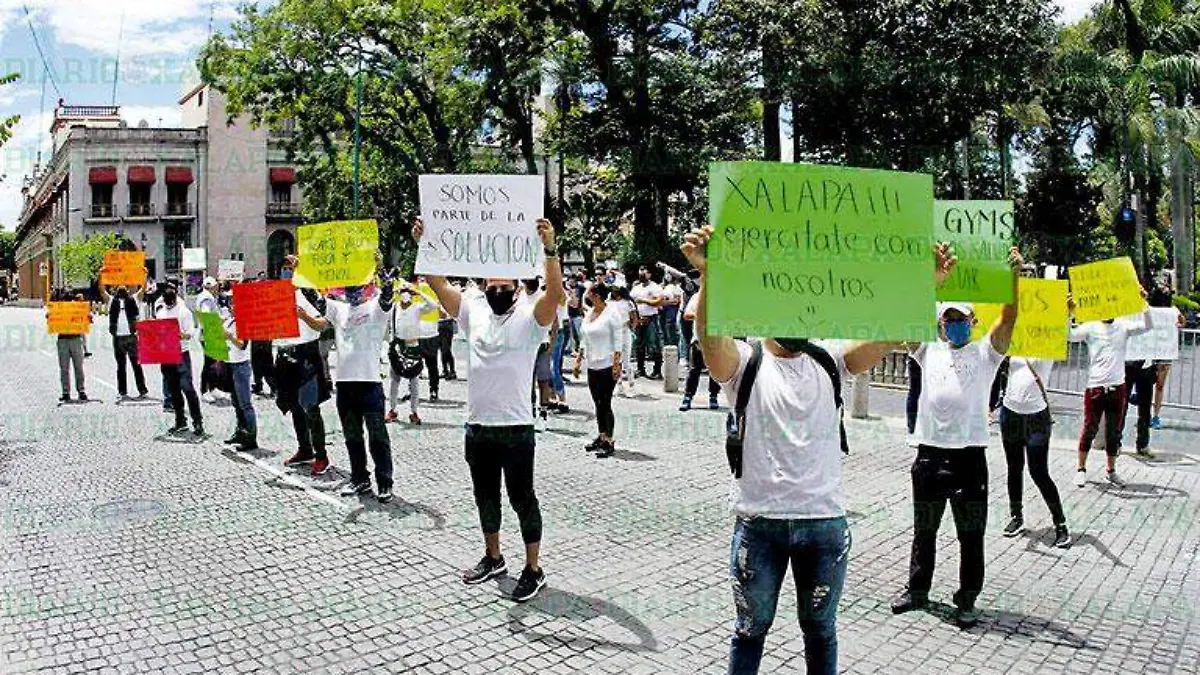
(141, 210)
(179, 209)
(103, 211)
(283, 209)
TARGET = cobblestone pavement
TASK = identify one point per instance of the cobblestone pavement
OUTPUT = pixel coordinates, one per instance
(125, 552)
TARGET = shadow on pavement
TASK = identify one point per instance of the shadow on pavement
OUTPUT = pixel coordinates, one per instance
(405, 426)
(1135, 491)
(632, 456)
(1014, 625)
(1046, 536)
(397, 509)
(557, 604)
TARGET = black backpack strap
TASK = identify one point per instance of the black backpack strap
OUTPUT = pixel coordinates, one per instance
(825, 360)
(747, 383)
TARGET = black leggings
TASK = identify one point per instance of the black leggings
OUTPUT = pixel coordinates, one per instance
(602, 383)
(1027, 437)
(695, 367)
(508, 451)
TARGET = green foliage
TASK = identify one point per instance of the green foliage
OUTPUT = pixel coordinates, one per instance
(1185, 303)
(8, 250)
(8, 123)
(81, 259)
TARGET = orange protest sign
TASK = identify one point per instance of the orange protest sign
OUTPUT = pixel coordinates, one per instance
(265, 310)
(124, 268)
(68, 318)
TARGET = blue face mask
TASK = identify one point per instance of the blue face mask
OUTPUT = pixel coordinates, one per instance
(958, 333)
(285, 274)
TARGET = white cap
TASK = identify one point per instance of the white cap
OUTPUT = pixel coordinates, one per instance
(964, 308)
(209, 281)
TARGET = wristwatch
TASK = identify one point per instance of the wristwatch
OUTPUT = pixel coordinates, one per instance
(550, 252)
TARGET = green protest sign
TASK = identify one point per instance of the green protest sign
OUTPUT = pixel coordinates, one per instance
(982, 233)
(212, 330)
(801, 250)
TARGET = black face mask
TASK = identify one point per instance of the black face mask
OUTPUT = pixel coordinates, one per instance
(793, 345)
(170, 297)
(500, 299)
(122, 292)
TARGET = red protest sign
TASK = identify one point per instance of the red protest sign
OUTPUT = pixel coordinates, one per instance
(265, 310)
(158, 342)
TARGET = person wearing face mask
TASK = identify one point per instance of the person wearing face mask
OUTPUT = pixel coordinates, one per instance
(786, 492)
(300, 381)
(1106, 391)
(178, 378)
(123, 312)
(648, 296)
(543, 390)
(952, 435)
(404, 348)
(502, 344)
(207, 301)
(429, 339)
(603, 338)
(245, 436)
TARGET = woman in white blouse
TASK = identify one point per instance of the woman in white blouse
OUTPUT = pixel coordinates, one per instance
(603, 332)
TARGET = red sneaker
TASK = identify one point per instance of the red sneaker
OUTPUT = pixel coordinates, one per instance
(298, 459)
(320, 467)
(414, 418)
(391, 416)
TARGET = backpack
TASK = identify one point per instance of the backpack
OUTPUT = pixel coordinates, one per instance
(735, 423)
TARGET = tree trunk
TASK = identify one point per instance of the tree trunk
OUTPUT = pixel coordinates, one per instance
(796, 140)
(772, 99)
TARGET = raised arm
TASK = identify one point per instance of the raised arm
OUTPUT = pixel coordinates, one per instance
(447, 294)
(1002, 330)
(546, 308)
(720, 353)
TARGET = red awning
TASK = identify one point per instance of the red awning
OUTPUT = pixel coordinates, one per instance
(179, 175)
(140, 174)
(286, 176)
(102, 175)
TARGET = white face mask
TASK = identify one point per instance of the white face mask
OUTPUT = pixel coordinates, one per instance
(406, 298)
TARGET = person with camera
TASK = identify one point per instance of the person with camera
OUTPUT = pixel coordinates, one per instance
(785, 447)
(404, 349)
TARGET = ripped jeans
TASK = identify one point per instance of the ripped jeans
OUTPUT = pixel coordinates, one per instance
(761, 550)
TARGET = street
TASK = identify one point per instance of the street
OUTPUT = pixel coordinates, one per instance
(123, 550)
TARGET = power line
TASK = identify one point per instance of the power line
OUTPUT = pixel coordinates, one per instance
(49, 72)
(117, 69)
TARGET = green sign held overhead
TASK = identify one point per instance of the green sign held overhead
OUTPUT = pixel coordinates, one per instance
(213, 335)
(982, 233)
(801, 250)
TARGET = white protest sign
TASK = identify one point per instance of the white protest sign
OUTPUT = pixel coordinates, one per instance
(194, 259)
(231, 270)
(481, 226)
(1161, 343)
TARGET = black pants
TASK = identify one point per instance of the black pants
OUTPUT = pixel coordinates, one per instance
(695, 368)
(493, 452)
(181, 388)
(912, 403)
(601, 384)
(429, 353)
(310, 431)
(646, 335)
(446, 345)
(1139, 386)
(207, 381)
(998, 386)
(958, 476)
(360, 404)
(686, 326)
(125, 349)
(262, 361)
(1027, 437)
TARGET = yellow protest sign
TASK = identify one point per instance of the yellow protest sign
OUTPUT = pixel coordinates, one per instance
(337, 254)
(1106, 290)
(68, 318)
(124, 268)
(1042, 320)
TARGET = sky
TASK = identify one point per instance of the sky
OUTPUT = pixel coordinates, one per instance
(157, 41)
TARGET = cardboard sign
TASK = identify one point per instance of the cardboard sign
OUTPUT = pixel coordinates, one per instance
(69, 318)
(212, 334)
(231, 270)
(1043, 322)
(265, 310)
(194, 259)
(481, 226)
(336, 255)
(124, 268)
(158, 342)
(1161, 343)
(802, 250)
(982, 233)
(1106, 290)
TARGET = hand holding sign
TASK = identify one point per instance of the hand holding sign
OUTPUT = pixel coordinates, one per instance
(265, 310)
(1106, 290)
(159, 343)
(337, 255)
(123, 268)
(68, 318)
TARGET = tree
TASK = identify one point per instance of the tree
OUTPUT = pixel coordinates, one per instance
(80, 260)
(8, 250)
(8, 123)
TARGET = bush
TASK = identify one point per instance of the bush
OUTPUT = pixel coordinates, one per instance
(1185, 303)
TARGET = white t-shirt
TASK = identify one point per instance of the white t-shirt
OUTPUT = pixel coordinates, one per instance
(187, 324)
(672, 293)
(955, 387)
(359, 331)
(122, 317)
(206, 302)
(792, 453)
(306, 334)
(236, 355)
(406, 321)
(689, 314)
(1106, 344)
(1023, 395)
(643, 292)
(500, 351)
(602, 337)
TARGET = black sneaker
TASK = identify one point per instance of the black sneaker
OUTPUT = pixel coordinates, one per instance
(247, 443)
(529, 584)
(595, 445)
(686, 405)
(606, 449)
(83, 397)
(487, 568)
(178, 430)
(433, 396)
(65, 398)
(234, 439)
(143, 394)
(198, 431)
(907, 602)
(1062, 538)
(966, 617)
(385, 495)
(1015, 526)
(356, 489)
(656, 375)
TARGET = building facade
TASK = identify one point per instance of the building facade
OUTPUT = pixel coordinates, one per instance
(227, 188)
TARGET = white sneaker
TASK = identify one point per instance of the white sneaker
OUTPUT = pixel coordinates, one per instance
(540, 422)
(1115, 480)
(1080, 478)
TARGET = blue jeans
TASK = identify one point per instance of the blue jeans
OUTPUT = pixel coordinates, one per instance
(243, 404)
(760, 553)
(556, 362)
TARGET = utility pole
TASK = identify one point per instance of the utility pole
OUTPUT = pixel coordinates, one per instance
(358, 95)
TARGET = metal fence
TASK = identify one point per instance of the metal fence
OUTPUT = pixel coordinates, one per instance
(1182, 388)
